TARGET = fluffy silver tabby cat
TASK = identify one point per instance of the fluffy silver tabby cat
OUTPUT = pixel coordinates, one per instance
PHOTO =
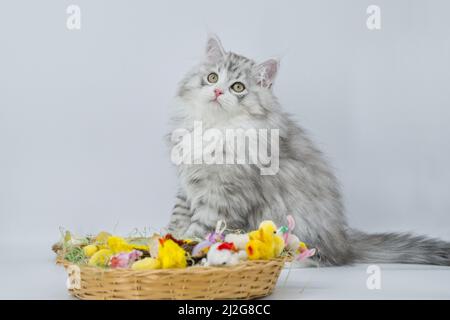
(304, 186)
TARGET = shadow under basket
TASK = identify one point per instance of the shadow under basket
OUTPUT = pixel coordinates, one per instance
(247, 280)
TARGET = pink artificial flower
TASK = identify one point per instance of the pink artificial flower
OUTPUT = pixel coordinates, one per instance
(306, 254)
(134, 255)
(119, 260)
(123, 260)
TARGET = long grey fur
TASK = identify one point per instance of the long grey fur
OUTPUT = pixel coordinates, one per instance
(304, 186)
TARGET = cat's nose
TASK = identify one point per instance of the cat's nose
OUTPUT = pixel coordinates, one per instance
(218, 92)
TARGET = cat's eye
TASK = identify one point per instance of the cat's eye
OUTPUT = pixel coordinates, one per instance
(238, 87)
(213, 77)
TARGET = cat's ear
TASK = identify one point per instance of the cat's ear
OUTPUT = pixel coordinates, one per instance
(266, 72)
(214, 49)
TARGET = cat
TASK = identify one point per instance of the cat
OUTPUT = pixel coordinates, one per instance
(227, 90)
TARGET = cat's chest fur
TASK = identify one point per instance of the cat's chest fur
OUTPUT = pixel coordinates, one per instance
(224, 183)
(219, 152)
(223, 190)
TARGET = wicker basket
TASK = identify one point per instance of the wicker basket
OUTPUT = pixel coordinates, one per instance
(247, 280)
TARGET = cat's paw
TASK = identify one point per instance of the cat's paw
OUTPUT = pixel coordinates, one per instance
(177, 228)
(195, 231)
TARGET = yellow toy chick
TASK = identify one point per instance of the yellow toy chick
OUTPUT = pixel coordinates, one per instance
(171, 255)
(258, 250)
(265, 243)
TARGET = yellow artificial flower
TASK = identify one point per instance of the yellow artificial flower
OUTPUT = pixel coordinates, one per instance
(102, 237)
(100, 258)
(89, 250)
(302, 246)
(117, 245)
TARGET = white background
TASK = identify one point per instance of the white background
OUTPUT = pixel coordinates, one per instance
(83, 113)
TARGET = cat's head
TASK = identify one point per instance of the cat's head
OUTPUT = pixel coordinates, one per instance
(228, 84)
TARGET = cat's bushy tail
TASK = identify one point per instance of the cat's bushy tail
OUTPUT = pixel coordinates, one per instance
(399, 248)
